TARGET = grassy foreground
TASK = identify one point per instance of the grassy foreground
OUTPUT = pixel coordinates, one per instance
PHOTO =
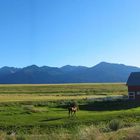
(29, 111)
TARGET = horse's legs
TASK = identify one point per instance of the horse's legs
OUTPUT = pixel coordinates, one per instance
(70, 112)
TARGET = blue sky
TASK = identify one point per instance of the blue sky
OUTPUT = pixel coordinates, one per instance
(75, 32)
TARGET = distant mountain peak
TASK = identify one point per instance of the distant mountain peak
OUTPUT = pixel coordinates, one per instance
(6, 67)
(107, 63)
(68, 68)
(32, 67)
(103, 62)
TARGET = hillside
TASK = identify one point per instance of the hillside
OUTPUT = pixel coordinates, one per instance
(102, 72)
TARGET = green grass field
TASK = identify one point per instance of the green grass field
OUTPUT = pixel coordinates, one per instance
(42, 109)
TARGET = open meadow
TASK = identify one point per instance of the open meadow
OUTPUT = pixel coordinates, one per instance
(40, 111)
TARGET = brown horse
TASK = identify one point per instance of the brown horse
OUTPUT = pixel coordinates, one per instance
(72, 110)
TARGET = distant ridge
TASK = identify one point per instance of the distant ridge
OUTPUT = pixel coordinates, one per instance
(100, 73)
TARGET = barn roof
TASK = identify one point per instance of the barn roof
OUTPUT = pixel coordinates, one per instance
(134, 79)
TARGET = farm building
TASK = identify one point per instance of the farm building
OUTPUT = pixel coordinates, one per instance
(133, 84)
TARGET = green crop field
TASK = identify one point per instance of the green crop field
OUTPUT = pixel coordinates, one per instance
(41, 110)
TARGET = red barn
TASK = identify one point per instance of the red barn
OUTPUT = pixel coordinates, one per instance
(133, 84)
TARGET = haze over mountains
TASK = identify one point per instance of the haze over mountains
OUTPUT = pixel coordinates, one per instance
(102, 72)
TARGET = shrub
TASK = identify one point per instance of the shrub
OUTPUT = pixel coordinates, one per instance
(115, 124)
(73, 103)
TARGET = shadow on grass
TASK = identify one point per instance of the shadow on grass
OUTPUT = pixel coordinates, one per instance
(109, 105)
(51, 119)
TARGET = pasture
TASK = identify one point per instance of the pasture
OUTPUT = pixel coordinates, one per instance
(42, 109)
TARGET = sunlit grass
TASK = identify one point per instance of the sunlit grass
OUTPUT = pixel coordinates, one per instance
(36, 97)
(92, 89)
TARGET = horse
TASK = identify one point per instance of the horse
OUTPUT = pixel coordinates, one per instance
(72, 110)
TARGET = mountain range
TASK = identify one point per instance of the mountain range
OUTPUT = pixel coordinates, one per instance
(100, 73)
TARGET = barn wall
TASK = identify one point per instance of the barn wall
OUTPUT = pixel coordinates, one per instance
(137, 97)
(136, 90)
(133, 88)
